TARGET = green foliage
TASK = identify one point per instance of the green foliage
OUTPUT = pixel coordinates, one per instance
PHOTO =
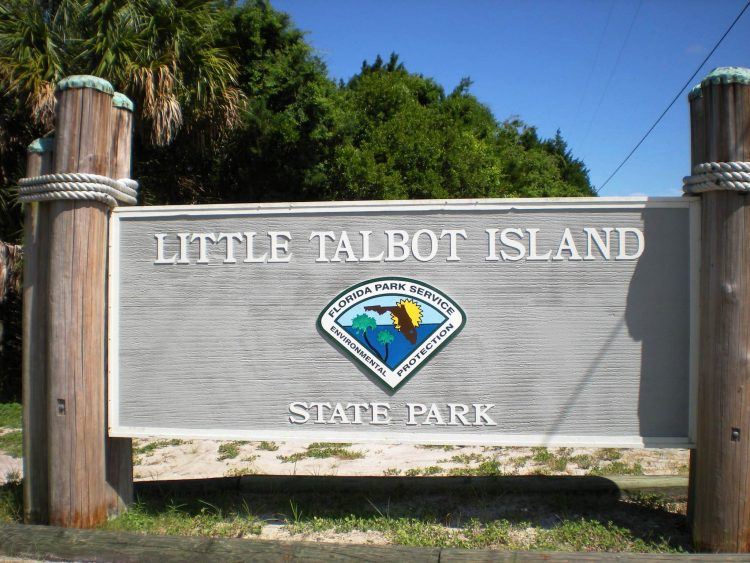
(229, 450)
(385, 337)
(11, 502)
(11, 443)
(233, 106)
(11, 415)
(268, 446)
(323, 450)
(363, 323)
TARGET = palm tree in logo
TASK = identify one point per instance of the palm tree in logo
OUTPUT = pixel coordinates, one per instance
(362, 323)
(385, 338)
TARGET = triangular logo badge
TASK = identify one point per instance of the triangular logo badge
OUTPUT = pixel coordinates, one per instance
(391, 326)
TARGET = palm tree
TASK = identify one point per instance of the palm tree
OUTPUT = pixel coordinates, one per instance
(362, 323)
(385, 338)
(162, 53)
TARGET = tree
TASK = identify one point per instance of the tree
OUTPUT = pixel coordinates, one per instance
(361, 324)
(164, 54)
(385, 338)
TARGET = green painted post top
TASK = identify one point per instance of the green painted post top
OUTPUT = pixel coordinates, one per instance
(85, 81)
(721, 75)
(45, 144)
(120, 100)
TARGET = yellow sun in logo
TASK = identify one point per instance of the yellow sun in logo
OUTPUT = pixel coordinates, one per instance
(412, 309)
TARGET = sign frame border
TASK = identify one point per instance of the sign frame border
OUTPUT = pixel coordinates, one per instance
(116, 430)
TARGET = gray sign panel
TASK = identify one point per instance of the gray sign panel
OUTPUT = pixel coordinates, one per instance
(508, 322)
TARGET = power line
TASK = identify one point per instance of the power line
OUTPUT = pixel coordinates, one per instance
(687, 83)
(612, 72)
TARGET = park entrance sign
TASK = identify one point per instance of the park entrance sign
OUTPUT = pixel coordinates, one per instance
(508, 322)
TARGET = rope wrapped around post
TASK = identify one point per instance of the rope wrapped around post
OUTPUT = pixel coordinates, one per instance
(78, 186)
(718, 176)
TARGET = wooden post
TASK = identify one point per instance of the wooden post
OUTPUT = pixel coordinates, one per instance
(720, 483)
(120, 450)
(78, 493)
(34, 378)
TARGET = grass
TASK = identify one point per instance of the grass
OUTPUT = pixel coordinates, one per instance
(11, 443)
(147, 449)
(10, 415)
(268, 446)
(445, 448)
(151, 447)
(323, 450)
(11, 502)
(424, 471)
(596, 522)
(618, 468)
(229, 450)
(192, 518)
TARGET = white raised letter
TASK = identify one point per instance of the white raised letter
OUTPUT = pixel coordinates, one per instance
(393, 244)
(415, 245)
(453, 411)
(322, 236)
(299, 409)
(567, 244)
(250, 257)
(622, 254)
(380, 413)
(230, 238)
(452, 234)
(183, 248)
(202, 237)
(481, 418)
(434, 415)
(491, 245)
(413, 409)
(366, 249)
(280, 245)
(603, 245)
(160, 250)
(532, 247)
(345, 246)
(516, 244)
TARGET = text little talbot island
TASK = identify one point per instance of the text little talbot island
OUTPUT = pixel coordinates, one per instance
(511, 244)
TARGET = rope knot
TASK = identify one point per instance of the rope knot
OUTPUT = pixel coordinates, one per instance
(78, 186)
(717, 176)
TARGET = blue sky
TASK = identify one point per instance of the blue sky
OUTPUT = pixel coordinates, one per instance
(599, 70)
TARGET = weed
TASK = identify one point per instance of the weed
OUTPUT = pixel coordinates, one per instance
(11, 415)
(541, 455)
(240, 471)
(653, 501)
(323, 450)
(12, 443)
(618, 468)
(11, 502)
(445, 448)
(609, 454)
(467, 458)
(424, 471)
(229, 450)
(268, 446)
(151, 447)
(292, 458)
(392, 472)
(250, 458)
(583, 461)
(194, 519)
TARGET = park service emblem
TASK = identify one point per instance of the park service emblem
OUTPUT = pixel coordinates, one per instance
(391, 326)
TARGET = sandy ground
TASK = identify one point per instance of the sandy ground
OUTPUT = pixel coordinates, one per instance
(192, 459)
(200, 458)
